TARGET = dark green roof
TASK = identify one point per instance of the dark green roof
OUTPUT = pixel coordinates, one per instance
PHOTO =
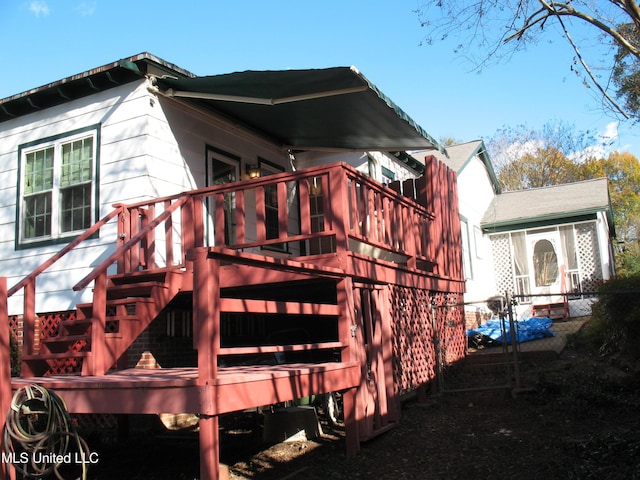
(87, 83)
(332, 108)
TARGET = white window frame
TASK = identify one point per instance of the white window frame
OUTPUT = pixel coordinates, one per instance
(56, 142)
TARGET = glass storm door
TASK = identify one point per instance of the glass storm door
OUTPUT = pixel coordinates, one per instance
(545, 256)
(222, 168)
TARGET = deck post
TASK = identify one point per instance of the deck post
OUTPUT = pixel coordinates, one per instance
(29, 319)
(337, 207)
(5, 369)
(209, 448)
(98, 363)
(347, 331)
(206, 317)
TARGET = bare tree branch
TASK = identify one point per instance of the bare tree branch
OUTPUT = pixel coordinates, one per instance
(587, 69)
(560, 9)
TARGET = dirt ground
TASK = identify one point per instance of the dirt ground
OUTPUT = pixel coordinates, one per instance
(578, 417)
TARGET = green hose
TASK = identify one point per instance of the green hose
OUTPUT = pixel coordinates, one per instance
(40, 439)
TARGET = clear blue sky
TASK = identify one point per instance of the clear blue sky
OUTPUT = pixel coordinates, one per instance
(47, 40)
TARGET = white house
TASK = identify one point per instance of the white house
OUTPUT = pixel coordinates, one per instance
(530, 243)
(143, 128)
(552, 240)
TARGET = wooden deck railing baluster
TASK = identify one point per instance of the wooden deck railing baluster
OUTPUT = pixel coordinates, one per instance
(168, 237)
(219, 214)
(148, 244)
(261, 229)
(283, 211)
(134, 252)
(305, 207)
(241, 224)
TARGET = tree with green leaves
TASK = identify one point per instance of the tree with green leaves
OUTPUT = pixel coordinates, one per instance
(623, 171)
(492, 29)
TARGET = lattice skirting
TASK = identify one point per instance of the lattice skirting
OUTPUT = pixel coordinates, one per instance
(428, 328)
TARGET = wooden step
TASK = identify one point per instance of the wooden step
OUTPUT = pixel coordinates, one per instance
(61, 343)
(38, 365)
(139, 289)
(85, 310)
(54, 356)
(75, 327)
(157, 274)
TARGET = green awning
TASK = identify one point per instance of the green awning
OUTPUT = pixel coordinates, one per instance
(334, 108)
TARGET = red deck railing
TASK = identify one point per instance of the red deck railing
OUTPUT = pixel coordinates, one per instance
(313, 211)
(318, 210)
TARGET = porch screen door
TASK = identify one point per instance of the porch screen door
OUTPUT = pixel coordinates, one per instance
(222, 168)
(546, 258)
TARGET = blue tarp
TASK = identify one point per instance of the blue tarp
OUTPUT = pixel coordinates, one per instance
(526, 330)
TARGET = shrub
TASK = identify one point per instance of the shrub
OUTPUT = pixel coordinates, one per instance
(616, 317)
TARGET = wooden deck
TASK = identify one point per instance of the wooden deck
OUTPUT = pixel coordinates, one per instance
(176, 390)
(361, 285)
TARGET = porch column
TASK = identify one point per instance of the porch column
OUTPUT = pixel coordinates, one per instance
(5, 368)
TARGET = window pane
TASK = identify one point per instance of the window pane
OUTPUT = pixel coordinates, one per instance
(77, 162)
(271, 211)
(75, 208)
(38, 171)
(545, 262)
(37, 216)
(520, 253)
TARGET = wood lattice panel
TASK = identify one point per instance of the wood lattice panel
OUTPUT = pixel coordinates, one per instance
(501, 252)
(49, 327)
(414, 358)
(588, 256)
(450, 326)
(15, 327)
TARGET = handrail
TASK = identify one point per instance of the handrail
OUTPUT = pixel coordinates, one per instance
(70, 246)
(351, 172)
(132, 241)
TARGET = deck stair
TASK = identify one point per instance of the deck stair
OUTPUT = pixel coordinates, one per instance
(133, 301)
(554, 311)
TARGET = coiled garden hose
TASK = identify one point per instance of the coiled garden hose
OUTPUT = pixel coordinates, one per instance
(40, 439)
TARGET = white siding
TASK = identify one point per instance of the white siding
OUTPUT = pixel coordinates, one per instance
(359, 161)
(121, 113)
(475, 193)
(149, 147)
